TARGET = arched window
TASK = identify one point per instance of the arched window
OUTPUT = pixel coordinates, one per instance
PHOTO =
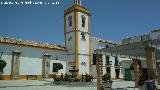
(83, 20)
(70, 21)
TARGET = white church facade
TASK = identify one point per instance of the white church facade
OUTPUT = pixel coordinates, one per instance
(28, 58)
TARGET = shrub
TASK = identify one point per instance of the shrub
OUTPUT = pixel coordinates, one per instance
(77, 80)
(2, 65)
(106, 77)
(57, 79)
(65, 77)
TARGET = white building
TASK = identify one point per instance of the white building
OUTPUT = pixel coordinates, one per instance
(28, 58)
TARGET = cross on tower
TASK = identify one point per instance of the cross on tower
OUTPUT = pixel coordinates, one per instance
(77, 2)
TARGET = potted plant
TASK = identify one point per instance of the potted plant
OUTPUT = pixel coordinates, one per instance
(107, 82)
(2, 65)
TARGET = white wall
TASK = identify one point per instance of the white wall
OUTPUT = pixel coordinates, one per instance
(70, 45)
(83, 45)
(85, 29)
(30, 66)
(154, 35)
(83, 69)
(59, 71)
(83, 49)
(93, 44)
(96, 44)
(30, 59)
(8, 59)
(71, 58)
(67, 22)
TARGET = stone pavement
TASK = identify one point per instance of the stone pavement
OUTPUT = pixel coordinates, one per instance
(122, 84)
(36, 85)
(47, 85)
(125, 85)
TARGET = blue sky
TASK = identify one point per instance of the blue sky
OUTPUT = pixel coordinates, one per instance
(111, 19)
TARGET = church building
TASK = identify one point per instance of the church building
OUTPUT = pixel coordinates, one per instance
(27, 58)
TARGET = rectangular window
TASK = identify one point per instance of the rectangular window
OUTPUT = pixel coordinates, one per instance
(94, 59)
(116, 61)
(70, 21)
(54, 69)
(107, 60)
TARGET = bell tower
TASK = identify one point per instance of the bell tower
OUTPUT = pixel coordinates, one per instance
(77, 2)
(77, 38)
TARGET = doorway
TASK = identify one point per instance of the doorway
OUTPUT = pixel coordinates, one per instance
(128, 75)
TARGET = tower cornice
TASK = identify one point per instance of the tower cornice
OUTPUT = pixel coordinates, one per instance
(76, 8)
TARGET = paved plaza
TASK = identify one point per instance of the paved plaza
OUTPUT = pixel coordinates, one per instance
(37, 85)
(48, 85)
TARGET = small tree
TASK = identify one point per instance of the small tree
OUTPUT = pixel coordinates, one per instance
(106, 77)
(2, 65)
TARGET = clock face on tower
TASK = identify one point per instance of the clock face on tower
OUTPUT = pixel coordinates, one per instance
(83, 36)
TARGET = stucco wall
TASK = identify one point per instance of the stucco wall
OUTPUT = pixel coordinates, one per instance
(7, 69)
(31, 59)
(30, 66)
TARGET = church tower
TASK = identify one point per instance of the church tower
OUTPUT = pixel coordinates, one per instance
(77, 38)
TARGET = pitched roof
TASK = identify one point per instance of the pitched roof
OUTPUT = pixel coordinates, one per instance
(29, 43)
